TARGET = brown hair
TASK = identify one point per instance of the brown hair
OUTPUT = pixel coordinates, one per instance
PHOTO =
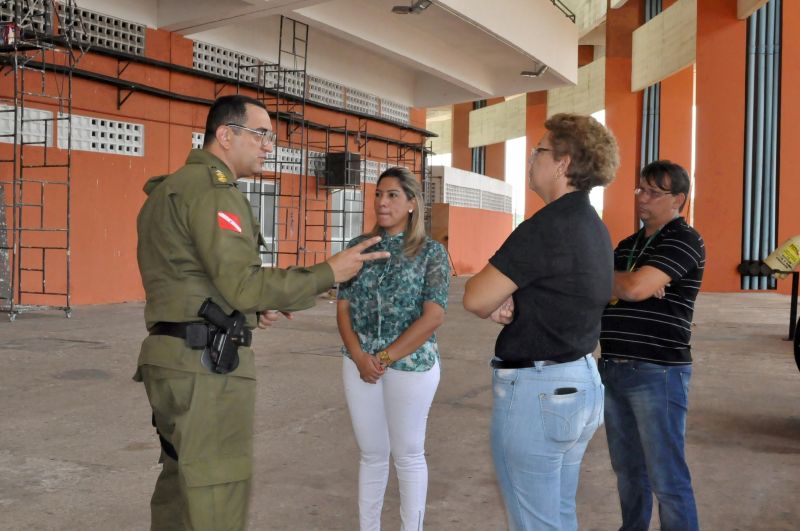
(657, 172)
(414, 235)
(593, 152)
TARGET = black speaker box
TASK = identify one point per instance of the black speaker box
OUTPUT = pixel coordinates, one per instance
(342, 169)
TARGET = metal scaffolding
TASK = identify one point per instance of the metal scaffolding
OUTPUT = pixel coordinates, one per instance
(38, 56)
(334, 206)
(310, 198)
(276, 194)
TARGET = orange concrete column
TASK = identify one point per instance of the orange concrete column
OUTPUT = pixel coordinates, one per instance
(585, 54)
(496, 153)
(677, 97)
(416, 117)
(535, 116)
(721, 42)
(675, 136)
(788, 183)
(461, 156)
(623, 117)
(675, 143)
(496, 161)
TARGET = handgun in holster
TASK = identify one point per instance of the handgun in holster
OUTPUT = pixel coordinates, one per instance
(226, 335)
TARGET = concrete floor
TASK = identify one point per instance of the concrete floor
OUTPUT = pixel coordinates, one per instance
(77, 450)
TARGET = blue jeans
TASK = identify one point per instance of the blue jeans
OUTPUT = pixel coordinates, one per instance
(539, 438)
(646, 407)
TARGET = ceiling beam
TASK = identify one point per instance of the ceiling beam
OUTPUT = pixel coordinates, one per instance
(189, 17)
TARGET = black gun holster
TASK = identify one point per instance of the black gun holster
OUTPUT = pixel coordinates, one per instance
(219, 336)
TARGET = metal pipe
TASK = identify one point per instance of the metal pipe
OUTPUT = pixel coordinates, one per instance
(651, 104)
(643, 151)
(649, 125)
(657, 124)
(643, 146)
(793, 311)
(758, 178)
(748, 148)
(776, 58)
(767, 82)
(650, 101)
(138, 87)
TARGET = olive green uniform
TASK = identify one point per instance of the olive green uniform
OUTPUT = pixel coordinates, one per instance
(198, 239)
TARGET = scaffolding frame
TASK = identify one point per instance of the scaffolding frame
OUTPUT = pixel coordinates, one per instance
(296, 184)
(39, 55)
(326, 224)
(282, 90)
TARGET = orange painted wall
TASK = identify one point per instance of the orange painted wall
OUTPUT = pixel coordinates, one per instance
(721, 41)
(462, 155)
(496, 161)
(535, 116)
(417, 117)
(471, 235)
(585, 54)
(107, 189)
(623, 118)
(677, 95)
(677, 98)
(675, 143)
(789, 181)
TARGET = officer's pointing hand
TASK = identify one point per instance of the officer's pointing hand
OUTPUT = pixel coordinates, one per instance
(268, 317)
(347, 263)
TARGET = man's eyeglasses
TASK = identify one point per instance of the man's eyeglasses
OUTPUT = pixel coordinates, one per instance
(651, 193)
(535, 151)
(264, 135)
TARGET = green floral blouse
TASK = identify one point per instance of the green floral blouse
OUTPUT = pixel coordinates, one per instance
(387, 296)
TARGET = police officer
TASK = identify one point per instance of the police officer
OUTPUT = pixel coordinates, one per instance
(198, 240)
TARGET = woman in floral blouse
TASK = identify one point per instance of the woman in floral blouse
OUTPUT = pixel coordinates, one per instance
(387, 316)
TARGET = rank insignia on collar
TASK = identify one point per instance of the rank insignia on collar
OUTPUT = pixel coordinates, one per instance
(220, 176)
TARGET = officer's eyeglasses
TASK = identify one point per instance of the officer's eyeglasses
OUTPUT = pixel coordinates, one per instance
(264, 135)
(650, 193)
(535, 151)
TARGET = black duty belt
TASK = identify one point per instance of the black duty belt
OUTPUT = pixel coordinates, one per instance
(497, 363)
(197, 335)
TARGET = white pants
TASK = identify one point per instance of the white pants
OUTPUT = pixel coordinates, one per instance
(391, 416)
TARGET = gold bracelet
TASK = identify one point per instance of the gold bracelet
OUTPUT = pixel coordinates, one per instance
(383, 357)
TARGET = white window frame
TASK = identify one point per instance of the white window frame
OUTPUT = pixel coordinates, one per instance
(348, 203)
(264, 214)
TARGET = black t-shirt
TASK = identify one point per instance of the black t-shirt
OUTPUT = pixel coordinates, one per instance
(657, 330)
(561, 260)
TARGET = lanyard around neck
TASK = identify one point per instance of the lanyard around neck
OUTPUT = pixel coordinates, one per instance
(631, 261)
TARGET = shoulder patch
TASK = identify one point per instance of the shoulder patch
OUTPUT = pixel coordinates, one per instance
(228, 221)
(221, 178)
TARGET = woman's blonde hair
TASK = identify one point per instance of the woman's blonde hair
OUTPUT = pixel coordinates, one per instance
(414, 235)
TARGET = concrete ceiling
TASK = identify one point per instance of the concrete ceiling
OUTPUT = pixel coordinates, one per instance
(453, 51)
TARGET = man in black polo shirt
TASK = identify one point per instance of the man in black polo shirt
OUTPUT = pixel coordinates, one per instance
(646, 360)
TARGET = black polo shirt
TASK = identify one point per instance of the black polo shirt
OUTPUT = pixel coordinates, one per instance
(561, 260)
(657, 330)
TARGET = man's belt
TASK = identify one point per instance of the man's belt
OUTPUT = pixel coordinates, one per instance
(498, 363)
(197, 335)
